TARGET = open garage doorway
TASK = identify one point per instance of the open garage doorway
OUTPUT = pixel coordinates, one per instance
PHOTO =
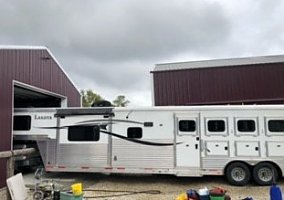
(26, 96)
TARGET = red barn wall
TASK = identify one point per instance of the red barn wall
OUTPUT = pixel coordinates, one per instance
(250, 84)
(35, 67)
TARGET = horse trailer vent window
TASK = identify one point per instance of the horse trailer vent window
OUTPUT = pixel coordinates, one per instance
(276, 125)
(187, 126)
(22, 123)
(83, 133)
(246, 125)
(216, 125)
(148, 124)
(134, 132)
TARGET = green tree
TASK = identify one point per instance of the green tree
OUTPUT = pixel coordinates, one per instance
(89, 97)
(120, 101)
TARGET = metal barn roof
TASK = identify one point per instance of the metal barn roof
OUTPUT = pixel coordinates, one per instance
(219, 63)
(23, 47)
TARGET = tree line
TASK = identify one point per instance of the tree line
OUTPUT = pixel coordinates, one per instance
(89, 97)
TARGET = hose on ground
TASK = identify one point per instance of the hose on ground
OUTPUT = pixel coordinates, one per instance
(125, 193)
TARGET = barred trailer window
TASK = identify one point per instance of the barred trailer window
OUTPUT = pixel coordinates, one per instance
(187, 126)
(276, 125)
(246, 125)
(216, 125)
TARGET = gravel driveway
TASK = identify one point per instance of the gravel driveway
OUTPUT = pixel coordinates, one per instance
(169, 186)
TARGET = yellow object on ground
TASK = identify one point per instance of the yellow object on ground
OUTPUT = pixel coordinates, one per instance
(182, 196)
(77, 189)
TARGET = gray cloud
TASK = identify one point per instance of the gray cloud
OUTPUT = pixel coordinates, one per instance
(138, 31)
(127, 75)
(257, 27)
(110, 46)
(117, 30)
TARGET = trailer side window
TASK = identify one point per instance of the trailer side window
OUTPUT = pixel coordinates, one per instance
(276, 125)
(22, 123)
(84, 133)
(134, 132)
(187, 126)
(246, 125)
(216, 125)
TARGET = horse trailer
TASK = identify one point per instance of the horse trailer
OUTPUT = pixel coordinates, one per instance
(240, 142)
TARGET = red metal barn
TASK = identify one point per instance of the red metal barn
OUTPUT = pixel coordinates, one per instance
(30, 77)
(252, 80)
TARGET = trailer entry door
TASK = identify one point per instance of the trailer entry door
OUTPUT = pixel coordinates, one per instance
(188, 141)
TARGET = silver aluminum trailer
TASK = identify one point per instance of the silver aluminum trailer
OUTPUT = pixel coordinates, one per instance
(240, 142)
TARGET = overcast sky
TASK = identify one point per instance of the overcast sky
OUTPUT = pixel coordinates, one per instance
(110, 46)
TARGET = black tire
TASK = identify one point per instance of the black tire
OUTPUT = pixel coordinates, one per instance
(263, 174)
(238, 174)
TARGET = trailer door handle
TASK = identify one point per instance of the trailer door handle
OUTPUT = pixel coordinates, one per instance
(196, 146)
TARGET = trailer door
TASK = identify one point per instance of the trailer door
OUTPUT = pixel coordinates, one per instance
(188, 142)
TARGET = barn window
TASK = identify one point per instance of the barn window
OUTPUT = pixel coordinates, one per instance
(22, 123)
(276, 125)
(246, 125)
(84, 133)
(134, 132)
(187, 126)
(216, 125)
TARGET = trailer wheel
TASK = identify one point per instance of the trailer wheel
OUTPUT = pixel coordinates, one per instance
(263, 173)
(238, 174)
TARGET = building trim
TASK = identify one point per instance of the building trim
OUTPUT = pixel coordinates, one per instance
(152, 89)
(219, 63)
